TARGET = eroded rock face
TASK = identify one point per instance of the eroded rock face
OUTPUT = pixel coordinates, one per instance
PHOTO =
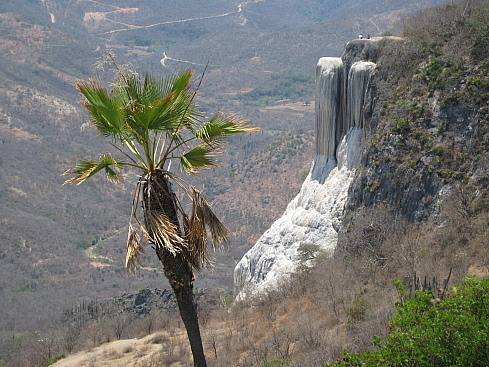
(315, 214)
(146, 300)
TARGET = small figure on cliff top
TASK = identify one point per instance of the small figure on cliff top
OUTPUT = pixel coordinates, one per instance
(360, 36)
(368, 37)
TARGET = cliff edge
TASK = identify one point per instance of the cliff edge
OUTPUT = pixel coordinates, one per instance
(343, 105)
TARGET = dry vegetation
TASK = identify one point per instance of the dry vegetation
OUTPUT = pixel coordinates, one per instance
(341, 303)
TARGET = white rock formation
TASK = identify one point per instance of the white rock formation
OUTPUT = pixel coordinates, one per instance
(315, 214)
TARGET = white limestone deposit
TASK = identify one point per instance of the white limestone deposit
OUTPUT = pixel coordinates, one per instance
(315, 214)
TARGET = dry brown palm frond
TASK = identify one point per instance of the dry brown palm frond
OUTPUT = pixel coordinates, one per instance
(202, 221)
(218, 232)
(196, 234)
(134, 250)
(163, 232)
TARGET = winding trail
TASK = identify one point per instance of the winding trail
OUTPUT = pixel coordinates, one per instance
(162, 61)
(103, 16)
(130, 27)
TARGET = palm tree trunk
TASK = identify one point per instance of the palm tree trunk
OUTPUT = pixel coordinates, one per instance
(157, 195)
(180, 276)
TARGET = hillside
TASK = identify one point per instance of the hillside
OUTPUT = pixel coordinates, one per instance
(66, 243)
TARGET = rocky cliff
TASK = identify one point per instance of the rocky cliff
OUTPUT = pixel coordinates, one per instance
(402, 137)
(343, 105)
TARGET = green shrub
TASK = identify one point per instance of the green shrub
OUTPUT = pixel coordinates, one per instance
(28, 286)
(433, 74)
(358, 310)
(431, 332)
(438, 150)
(53, 360)
(291, 86)
(401, 126)
(279, 362)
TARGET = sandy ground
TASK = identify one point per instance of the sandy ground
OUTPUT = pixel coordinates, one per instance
(130, 353)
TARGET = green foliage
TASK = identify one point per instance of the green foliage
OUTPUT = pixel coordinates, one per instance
(308, 251)
(427, 332)
(478, 87)
(82, 243)
(358, 310)
(53, 360)
(407, 105)
(401, 126)
(433, 74)
(28, 286)
(138, 41)
(291, 85)
(149, 117)
(439, 150)
(279, 362)
(228, 300)
(479, 29)
(304, 175)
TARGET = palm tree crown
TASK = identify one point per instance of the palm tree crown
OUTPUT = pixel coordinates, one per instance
(153, 121)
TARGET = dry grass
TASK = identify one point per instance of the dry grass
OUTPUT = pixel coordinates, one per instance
(113, 353)
(158, 338)
(148, 351)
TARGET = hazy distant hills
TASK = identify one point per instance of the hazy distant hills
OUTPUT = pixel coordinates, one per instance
(63, 242)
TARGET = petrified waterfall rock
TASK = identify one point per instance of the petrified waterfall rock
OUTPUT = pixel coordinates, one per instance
(329, 84)
(315, 214)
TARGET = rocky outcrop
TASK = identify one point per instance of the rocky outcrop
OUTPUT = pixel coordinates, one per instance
(315, 214)
(146, 300)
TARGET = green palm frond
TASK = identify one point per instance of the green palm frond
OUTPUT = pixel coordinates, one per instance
(197, 159)
(160, 104)
(182, 81)
(85, 169)
(221, 125)
(106, 111)
(152, 89)
(159, 116)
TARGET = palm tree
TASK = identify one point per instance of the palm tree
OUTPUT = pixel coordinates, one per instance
(152, 122)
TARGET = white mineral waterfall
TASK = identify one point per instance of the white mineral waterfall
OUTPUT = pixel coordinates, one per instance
(314, 215)
(358, 79)
(329, 84)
